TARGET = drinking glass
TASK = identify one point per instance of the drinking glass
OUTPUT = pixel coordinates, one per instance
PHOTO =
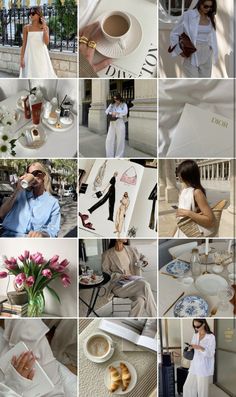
(225, 295)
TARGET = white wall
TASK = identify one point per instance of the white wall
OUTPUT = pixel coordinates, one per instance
(65, 248)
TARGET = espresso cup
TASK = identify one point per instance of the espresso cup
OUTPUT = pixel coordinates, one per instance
(98, 347)
(27, 181)
(116, 26)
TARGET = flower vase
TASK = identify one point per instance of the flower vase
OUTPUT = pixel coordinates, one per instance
(36, 305)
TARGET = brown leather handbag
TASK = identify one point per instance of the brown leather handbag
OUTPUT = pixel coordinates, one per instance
(185, 44)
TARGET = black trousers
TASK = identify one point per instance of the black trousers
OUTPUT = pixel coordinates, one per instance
(110, 195)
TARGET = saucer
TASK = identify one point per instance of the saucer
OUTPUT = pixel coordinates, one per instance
(30, 144)
(100, 360)
(114, 50)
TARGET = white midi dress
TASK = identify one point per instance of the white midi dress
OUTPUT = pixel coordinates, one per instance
(37, 61)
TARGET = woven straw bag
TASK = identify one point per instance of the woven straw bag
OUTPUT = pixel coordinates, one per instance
(191, 229)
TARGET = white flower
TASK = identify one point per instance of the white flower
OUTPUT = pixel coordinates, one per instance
(5, 149)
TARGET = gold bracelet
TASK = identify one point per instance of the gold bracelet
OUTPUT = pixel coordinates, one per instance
(83, 39)
(92, 44)
(83, 42)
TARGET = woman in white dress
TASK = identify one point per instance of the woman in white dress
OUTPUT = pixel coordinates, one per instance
(202, 366)
(34, 60)
(122, 262)
(115, 142)
(121, 212)
(192, 199)
(200, 26)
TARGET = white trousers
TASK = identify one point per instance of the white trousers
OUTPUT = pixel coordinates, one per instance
(115, 142)
(196, 386)
(204, 69)
(140, 293)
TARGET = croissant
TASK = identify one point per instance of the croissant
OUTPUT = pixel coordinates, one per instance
(115, 379)
(125, 376)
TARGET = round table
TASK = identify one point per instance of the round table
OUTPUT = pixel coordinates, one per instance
(96, 288)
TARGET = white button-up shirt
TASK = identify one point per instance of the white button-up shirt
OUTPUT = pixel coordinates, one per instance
(188, 24)
(121, 109)
(203, 361)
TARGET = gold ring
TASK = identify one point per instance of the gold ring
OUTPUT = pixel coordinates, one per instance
(92, 44)
(83, 41)
(84, 38)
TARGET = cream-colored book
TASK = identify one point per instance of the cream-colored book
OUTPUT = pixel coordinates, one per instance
(201, 133)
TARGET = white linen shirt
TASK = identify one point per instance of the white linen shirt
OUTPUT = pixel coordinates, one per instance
(203, 361)
(121, 109)
(188, 24)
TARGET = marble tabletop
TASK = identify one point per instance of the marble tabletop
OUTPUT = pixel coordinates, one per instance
(171, 288)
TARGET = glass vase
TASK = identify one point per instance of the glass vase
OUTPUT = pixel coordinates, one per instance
(36, 305)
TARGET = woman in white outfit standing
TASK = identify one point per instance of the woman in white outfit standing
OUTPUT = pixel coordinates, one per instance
(34, 59)
(192, 200)
(202, 366)
(120, 262)
(115, 142)
(200, 26)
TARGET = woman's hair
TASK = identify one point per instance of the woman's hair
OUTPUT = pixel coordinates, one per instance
(47, 178)
(189, 172)
(38, 11)
(212, 12)
(112, 243)
(118, 97)
(202, 321)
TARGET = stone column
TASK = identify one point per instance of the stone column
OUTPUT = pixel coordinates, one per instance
(228, 220)
(143, 117)
(217, 171)
(162, 178)
(204, 172)
(97, 121)
(171, 191)
(81, 97)
(223, 171)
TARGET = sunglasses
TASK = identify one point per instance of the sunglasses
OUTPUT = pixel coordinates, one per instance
(33, 13)
(36, 173)
(207, 7)
(197, 326)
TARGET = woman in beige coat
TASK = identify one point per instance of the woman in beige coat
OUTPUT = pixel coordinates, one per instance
(122, 262)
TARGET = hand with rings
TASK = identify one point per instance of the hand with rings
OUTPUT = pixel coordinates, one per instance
(24, 364)
(88, 38)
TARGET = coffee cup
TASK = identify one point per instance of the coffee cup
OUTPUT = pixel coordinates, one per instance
(27, 181)
(98, 347)
(116, 26)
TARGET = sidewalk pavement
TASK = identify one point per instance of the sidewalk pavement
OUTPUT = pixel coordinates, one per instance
(93, 145)
(69, 217)
(167, 218)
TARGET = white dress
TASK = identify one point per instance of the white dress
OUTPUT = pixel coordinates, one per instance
(37, 61)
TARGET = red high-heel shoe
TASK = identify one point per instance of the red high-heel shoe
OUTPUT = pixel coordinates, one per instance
(88, 225)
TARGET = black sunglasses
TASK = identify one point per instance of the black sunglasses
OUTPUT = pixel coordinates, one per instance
(207, 7)
(33, 13)
(36, 173)
(197, 326)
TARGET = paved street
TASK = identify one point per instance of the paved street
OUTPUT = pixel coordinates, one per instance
(68, 217)
(93, 145)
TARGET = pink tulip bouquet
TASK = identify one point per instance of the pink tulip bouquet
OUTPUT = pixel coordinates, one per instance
(33, 273)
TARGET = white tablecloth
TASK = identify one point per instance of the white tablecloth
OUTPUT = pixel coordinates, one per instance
(58, 144)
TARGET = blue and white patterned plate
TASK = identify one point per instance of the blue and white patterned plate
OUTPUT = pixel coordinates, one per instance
(177, 267)
(191, 306)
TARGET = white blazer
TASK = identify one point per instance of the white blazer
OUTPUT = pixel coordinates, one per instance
(188, 24)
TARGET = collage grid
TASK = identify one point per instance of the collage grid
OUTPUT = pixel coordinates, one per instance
(117, 198)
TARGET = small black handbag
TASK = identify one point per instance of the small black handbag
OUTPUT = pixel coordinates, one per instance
(188, 354)
(111, 118)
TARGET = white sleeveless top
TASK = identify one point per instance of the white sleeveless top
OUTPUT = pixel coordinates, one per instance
(203, 33)
(187, 202)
